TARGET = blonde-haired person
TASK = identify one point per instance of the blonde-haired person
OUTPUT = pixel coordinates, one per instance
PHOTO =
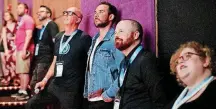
(193, 66)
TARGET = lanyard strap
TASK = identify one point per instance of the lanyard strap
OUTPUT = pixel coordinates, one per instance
(62, 46)
(42, 30)
(183, 97)
(123, 68)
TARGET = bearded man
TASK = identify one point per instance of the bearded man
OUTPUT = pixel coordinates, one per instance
(103, 60)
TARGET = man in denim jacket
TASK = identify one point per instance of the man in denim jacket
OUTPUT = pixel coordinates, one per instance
(103, 60)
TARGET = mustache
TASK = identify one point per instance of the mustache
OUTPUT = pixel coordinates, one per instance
(117, 38)
(97, 19)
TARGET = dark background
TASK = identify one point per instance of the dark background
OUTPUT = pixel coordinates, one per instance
(181, 21)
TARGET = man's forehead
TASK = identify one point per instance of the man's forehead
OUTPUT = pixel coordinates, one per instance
(124, 23)
(20, 5)
(71, 9)
(74, 9)
(102, 7)
(42, 8)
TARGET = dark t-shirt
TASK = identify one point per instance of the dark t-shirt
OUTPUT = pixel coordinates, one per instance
(74, 60)
(46, 44)
(205, 101)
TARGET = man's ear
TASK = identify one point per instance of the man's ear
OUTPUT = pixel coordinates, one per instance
(49, 15)
(26, 10)
(78, 20)
(111, 17)
(136, 35)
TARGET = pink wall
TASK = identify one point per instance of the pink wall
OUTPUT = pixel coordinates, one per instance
(1, 5)
(140, 10)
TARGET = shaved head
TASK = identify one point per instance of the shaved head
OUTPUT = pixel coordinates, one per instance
(76, 10)
(72, 16)
(135, 26)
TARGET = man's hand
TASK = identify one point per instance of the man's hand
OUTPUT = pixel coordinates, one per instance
(24, 54)
(96, 93)
(40, 85)
(107, 99)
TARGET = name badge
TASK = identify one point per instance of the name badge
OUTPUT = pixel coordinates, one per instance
(117, 101)
(59, 69)
(36, 49)
(116, 104)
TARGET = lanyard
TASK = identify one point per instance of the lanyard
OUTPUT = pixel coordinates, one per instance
(62, 46)
(42, 30)
(123, 70)
(183, 97)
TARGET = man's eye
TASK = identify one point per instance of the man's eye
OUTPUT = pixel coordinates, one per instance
(101, 11)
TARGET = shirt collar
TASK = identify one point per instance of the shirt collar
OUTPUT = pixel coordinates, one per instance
(46, 23)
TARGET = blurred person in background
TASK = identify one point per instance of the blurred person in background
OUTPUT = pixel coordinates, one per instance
(8, 61)
(44, 49)
(24, 50)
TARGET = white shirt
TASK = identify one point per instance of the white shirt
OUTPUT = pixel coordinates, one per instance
(92, 54)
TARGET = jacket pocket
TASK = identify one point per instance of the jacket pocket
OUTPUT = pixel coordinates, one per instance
(105, 52)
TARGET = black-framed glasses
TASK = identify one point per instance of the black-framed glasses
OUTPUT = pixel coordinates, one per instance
(185, 57)
(42, 12)
(69, 13)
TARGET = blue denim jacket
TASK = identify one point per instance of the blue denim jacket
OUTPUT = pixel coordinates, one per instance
(105, 66)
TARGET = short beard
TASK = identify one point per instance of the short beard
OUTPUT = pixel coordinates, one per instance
(43, 18)
(123, 45)
(20, 15)
(102, 25)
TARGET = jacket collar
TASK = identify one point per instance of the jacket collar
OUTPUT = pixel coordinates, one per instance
(108, 35)
(131, 53)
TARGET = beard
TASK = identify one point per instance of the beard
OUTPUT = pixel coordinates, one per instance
(102, 24)
(42, 18)
(21, 14)
(123, 45)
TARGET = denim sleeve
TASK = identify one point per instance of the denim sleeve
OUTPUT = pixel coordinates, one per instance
(113, 89)
(118, 55)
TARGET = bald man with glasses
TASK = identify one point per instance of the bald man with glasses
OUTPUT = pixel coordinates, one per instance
(67, 71)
